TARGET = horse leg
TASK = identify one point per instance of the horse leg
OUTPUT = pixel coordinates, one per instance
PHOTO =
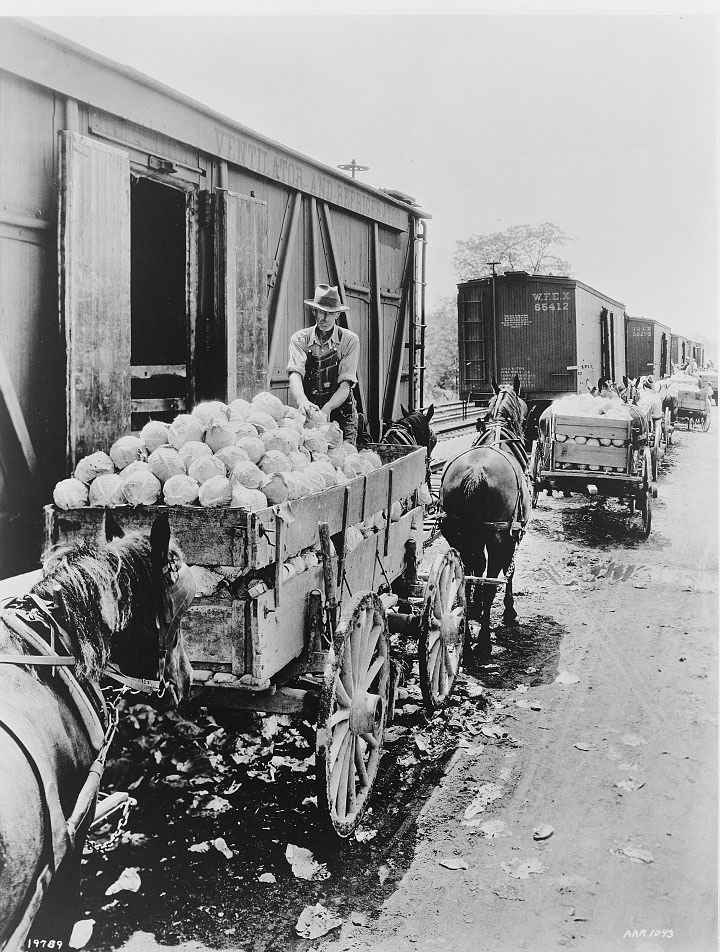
(509, 615)
(483, 650)
(474, 565)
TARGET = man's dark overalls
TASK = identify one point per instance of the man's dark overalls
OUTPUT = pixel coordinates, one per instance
(320, 383)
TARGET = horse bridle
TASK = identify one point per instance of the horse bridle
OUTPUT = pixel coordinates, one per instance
(515, 408)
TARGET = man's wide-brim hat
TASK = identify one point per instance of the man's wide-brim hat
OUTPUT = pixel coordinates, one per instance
(326, 299)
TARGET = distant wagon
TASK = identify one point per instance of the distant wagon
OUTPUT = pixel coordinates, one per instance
(556, 333)
(155, 254)
(647, 347)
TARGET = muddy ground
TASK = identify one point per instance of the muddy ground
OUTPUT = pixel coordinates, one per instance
(595, 725)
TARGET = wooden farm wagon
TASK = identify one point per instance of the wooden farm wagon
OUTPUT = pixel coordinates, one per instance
(596, 456)
(294, 611)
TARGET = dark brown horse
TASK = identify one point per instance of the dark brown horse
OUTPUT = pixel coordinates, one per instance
(119, 601)
(485, 502)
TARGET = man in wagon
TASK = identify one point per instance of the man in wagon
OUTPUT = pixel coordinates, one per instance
(323, 360)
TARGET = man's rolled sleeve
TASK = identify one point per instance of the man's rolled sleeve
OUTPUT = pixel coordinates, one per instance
(297, 356)
(347, 370)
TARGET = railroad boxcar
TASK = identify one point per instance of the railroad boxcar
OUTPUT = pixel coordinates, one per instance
(679, 350)
(155, 253)
(647, 344)
(556, 333)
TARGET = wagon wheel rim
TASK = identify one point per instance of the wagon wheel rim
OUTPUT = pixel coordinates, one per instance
(645, 500)
(353, 712)
(668, 423)
(442, 629)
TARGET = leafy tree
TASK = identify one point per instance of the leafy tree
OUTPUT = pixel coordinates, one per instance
(520, 248)
(441, 351)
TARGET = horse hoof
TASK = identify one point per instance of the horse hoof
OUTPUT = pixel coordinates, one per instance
(510, 620)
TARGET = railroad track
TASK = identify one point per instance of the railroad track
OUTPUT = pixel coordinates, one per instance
(451, 419)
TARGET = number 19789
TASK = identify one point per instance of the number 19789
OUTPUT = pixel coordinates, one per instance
(44, 944)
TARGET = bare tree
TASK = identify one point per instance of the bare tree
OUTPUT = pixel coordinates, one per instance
(519, 248)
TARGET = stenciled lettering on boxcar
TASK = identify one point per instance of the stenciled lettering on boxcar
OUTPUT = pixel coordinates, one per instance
(552, 301)
(527, 377)
(515, 320)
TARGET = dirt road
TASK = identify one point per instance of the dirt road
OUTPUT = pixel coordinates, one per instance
(596, 726)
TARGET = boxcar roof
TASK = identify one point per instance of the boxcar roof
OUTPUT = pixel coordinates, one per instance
(648, 320)
(48, 59)
(524, 276)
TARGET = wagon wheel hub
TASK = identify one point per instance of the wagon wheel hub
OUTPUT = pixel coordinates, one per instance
(366, 713)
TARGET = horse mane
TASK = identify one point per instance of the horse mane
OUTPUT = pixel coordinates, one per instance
(104, 588)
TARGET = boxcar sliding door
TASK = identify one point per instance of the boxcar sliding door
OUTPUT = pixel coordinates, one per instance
(242, 254)
(94, 286)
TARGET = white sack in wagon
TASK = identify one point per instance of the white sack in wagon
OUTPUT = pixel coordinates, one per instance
(291, 434)
(247, 474)
(353, 538)
(291, 423)
(165, 462)
(261, 421)
(141, 488)
(193, 450)
(218, 435)
(340, 477)
(211, 411)
(276, 440)
(253, 446)
(70, 494)
(315, 480)
(215, 492)
(354, 466)
(127, 450)
(396, 511)
(337, 456)
(106, 490)
(275, 462)
(298, 563)
(310, 558)
(154, 434)
(139, 466)
(96, 464)
(424, 495)
(205, 468)
(292, 413)
(181, 490)
(250, 499)
(268, 403)
(238, 409)
(184, 429)
(231, 456)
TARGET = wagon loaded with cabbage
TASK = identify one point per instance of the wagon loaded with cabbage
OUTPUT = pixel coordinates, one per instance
(598, 448)
(297, 598)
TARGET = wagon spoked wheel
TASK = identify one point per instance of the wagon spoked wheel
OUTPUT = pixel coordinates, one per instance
(666, 429)
(706, 421)
(532, 469)
(442, 629)
(645, 497)
(353, 711)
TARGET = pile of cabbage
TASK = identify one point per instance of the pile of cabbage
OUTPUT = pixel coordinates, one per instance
(246, 454)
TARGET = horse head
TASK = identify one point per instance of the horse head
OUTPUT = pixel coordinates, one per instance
(508, 407)
(631, 393)
(123, 602)
(417, 427)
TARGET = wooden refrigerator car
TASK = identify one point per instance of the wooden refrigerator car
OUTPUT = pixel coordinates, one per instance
(154, 253)
(556, 333)
(647, 347)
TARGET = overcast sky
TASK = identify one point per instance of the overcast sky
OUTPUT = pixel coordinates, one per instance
(605, 125)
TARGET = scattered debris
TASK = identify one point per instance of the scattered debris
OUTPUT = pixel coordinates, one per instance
(363, 836)
(222, 847)
(383, 873)
(567, 677)
(630, 785)
(453, 862)
(316, 921)
(81, 933)
(394, 733)
(634, 854)
(200, 847)
(521, 869)
(267, 878)
(129, 881)
(493, 828)
(582, 746)
(543, 832)
(304, 865)
(486, 794)
(633, 740)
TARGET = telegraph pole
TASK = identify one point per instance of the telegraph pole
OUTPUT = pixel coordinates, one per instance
(492, 264)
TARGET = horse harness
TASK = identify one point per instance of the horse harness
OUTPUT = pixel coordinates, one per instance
(31, 619)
